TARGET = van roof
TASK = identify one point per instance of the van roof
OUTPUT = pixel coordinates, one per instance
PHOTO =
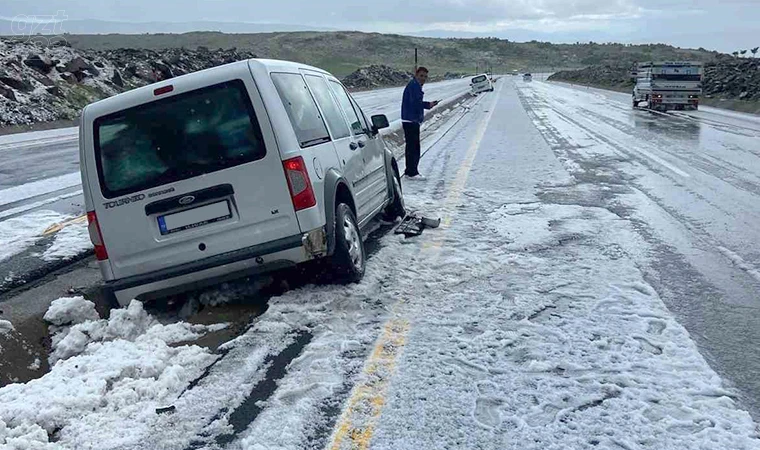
(116, 102)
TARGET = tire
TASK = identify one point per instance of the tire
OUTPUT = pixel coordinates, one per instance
(349, 260)
(396, 208)
(104, 299)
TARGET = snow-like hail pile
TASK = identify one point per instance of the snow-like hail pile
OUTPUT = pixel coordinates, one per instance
(102, 372)
(539, 332)
(70, 242)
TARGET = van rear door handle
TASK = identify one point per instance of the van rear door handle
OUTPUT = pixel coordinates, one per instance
(361, 144)
(353, 146)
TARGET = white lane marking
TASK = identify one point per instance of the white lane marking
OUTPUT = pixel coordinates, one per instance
(40, 142)
(21, 138)
(740, 263)
(40, 187)
(657, 159)
(24, 208)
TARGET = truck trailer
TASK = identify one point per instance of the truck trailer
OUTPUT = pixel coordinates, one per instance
(668, 85)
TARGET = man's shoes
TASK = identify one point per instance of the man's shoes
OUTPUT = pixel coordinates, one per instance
(418, 177)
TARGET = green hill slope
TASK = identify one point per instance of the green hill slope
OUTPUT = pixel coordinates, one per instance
(343, 52)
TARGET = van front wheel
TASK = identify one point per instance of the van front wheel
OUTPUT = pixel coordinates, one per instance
(348, 261)
(395, 208)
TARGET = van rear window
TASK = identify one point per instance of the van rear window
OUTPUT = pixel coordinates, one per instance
(176, 138)
(479, 79)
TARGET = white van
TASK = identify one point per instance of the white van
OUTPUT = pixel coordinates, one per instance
(481, 83)
(240, 169)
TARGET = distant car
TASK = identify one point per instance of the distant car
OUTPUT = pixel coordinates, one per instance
(481, 83)
(527, 77)
(241, 169)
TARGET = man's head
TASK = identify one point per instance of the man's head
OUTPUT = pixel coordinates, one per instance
(421, 75)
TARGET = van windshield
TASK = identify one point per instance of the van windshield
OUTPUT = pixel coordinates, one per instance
(479, 79)
(180, 137)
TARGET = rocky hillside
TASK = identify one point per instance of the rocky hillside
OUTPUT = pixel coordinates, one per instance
(728, 80)
(52, 83)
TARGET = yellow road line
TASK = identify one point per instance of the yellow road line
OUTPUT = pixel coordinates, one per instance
(59, 226)
(356, 426)
(357, 423)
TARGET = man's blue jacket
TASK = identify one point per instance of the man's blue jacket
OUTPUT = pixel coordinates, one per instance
(412, 105)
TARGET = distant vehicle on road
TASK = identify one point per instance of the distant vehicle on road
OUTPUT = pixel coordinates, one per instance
(527, 77)
(245, 168)
(668, 85)
(481, 83)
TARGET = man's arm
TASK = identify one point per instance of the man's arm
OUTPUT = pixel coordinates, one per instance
(426, 105)
(430, 105)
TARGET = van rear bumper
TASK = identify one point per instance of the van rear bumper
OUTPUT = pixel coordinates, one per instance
(268, 257)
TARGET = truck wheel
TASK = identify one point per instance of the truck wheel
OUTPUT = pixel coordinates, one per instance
(396, 208)
(348, 261)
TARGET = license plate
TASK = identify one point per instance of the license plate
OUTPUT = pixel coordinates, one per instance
(194, 218)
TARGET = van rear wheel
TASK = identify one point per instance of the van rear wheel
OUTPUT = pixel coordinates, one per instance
(348, 261)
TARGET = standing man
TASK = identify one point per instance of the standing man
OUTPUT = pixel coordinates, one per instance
(412, 114)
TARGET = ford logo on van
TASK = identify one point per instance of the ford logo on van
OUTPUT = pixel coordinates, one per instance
(186, 200)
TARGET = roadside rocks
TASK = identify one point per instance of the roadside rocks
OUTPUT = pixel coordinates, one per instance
(40, 63)
(31, 91)
(733, 78)
(7, 93)
(374, 76)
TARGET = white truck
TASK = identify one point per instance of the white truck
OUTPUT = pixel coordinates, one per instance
(668, 85)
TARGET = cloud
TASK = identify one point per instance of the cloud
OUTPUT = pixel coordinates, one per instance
(709, 23)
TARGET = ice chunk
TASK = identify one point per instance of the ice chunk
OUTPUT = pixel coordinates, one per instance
(70, 311)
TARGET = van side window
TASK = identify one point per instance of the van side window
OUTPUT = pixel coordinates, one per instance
(330, 109)
(303, 113)
(176, 138)
(345, 103)
(362, 117)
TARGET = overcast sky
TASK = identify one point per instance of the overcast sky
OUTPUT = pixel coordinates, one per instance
(725, 25)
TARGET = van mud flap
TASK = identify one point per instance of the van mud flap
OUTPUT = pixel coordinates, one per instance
(414, 225)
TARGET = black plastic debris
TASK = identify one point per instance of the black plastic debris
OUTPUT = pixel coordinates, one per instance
(414, 225)
(168, 409)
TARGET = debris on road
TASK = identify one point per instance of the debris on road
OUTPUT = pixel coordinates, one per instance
(413, 225)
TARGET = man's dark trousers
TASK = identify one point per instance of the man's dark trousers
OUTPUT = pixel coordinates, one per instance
(412, 138)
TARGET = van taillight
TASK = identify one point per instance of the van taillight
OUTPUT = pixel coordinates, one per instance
(96, 236)
(299, 183)
(163, 90)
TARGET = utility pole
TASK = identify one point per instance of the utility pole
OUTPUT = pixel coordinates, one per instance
(415, 60)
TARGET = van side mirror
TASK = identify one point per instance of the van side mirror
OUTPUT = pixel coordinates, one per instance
(379, 122)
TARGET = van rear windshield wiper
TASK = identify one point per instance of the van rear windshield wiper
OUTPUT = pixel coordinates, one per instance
(314, 141)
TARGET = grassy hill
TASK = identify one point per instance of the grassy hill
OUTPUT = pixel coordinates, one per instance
(343, 52)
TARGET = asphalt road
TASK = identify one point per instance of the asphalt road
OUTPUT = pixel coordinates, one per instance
(691, 181)
(592, 261)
